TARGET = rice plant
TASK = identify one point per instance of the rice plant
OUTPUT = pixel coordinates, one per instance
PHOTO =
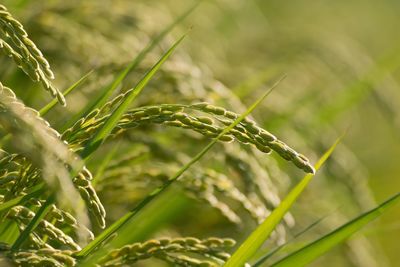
(146, 159)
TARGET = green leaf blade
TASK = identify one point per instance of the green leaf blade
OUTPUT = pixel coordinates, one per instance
(54, 102)
(112, 121)
(34, 192)
(128, 216)
(263, 231)
(281, 247)
(43, 210)
(108, 90)
(315, 249)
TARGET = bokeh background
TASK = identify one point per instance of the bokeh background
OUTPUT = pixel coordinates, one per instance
(342, 62)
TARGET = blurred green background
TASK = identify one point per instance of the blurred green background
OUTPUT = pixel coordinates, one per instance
(342, 62)
(345, 53)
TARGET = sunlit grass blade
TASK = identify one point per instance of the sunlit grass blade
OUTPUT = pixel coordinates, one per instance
(51, 104)
(312, 251)
(40, 214)
(139, 58)
(256, 80)
(127, 217)
(35, 191)
(250, 246)
(105, 162)
(163, 209)
(54, 102)
(8, 231)
(108, 90)
(112, 121)
(262, 259)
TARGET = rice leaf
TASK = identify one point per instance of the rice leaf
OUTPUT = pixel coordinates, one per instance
(315, 249)
(139, 58)
(9, 231)
(109, 125)
(43, 111)
(128, 216)
(105, 162)
(109, 90)
(167, 207)
(33, 223)
(263, 231)
(54, 102)
(256, 80)
(279, 248)
(34, 192)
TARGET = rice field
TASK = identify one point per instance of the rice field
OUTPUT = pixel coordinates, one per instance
(199, 133)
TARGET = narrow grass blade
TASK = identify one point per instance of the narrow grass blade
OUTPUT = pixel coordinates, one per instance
(110, 89)
(105, 162)
(112, 121)
(279, 248)
(8, 231)
(127, 217)
(105, 93)
(255, 81)
(263, 231)
(40, 214)
(35, 191)
(54, 102)
(51, 104)
(139, 58)
(312, 251)
(169, 206)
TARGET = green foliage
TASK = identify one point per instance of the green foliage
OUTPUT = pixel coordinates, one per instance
(185, 157)
(310, 252)
(263, 231)
(127, 99)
